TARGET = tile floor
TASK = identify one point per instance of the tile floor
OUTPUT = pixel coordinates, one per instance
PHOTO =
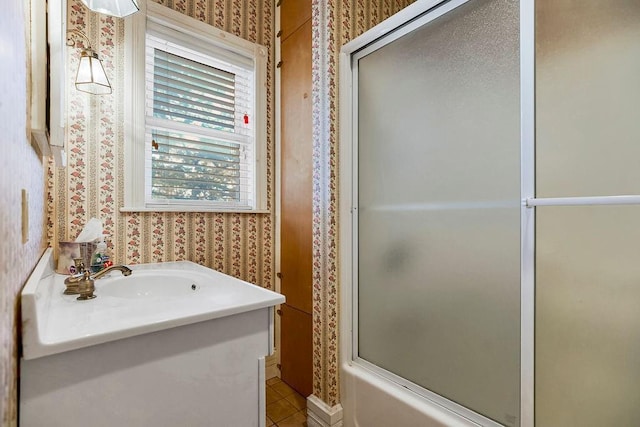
(285, 407)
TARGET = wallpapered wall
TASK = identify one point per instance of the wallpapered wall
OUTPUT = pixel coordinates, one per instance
(335, 22)
(238, 244)
(20, 168)
(92, 184)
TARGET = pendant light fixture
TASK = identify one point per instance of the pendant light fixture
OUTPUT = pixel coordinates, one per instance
(91, 77)
(117, 8)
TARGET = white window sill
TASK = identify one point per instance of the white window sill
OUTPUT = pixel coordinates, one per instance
(192, 209)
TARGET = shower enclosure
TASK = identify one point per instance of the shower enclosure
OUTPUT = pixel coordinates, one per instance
(489, 171)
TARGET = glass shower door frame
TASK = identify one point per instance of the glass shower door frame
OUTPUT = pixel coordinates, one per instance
(408, 20)
(527, 215)
(416, 15)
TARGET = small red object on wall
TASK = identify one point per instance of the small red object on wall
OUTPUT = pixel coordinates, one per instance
(246, 119)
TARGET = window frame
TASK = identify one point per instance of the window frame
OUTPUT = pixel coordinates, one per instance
(135, 154)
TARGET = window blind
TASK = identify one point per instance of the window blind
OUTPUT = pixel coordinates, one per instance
(190, 92)
(198, 128)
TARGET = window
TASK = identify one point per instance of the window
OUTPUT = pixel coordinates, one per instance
(196, 135)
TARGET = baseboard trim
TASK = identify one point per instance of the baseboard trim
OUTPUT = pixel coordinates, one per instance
(319, 414)
(271, 363)
(272, 372)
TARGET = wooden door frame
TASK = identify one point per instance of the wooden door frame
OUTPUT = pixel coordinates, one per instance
(273, 363)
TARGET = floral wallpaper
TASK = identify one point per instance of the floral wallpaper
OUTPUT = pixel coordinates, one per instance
(92, 184)
(334, 22)
(20, 168)
(238, 244)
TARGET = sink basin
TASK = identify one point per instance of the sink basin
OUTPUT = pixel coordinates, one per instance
(145, 284)
(153, 298)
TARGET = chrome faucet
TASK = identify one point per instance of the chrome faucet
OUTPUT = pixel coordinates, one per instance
(83, 283)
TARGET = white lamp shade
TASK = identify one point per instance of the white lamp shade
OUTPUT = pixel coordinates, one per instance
(117, 8)
(91, 77)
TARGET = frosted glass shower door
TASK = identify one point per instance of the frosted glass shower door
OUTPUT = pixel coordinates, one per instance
(438, 207)
(587, 331)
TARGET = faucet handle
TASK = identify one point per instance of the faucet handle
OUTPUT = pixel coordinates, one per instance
(79, 264)
(86, 288)
(72, 281)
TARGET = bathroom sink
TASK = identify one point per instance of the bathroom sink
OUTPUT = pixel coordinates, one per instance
(169, 330)
(146, 284)
(154, 297)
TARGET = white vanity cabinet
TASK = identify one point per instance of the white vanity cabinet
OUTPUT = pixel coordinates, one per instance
(161, 371)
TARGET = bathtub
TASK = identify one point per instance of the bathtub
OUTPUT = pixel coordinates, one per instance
(370, 400)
